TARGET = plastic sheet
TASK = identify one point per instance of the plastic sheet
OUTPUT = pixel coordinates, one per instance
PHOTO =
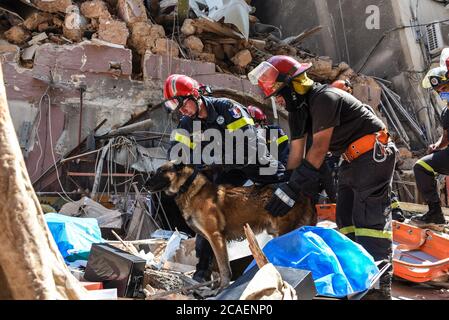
(339, 266)
(74, 236)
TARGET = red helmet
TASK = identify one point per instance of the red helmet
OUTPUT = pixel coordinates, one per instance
(344, 85)
(177, 87)
(257, 114)
(275, 73)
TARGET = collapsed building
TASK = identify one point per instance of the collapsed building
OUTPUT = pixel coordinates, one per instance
(84, 84)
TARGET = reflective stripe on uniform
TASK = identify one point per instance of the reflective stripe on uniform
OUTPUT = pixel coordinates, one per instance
(347, 230)
(395, 205)
(426, 166)
(240, 123)
(282, 139)
(185, 140)
(372, 233)
(359, 232)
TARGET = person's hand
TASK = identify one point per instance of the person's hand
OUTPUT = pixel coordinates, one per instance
(432, 148)
(283, 199)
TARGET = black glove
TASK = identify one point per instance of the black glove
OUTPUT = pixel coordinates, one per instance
(283, 200)
(308, 178)
(305, 179)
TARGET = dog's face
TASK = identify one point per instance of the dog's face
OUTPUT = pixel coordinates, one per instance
(169, 178)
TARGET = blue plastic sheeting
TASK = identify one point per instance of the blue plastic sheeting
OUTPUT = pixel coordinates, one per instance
(74, 236)
(339, 266)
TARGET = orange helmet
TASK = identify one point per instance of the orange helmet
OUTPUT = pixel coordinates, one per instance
(257, 114)
(344, 85)
(277, 72)
(178, 87)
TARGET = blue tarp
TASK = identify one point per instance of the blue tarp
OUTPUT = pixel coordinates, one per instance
(74, 236)
(339, 266)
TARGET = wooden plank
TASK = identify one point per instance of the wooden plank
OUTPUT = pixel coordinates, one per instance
(217, 28)
(419, 208)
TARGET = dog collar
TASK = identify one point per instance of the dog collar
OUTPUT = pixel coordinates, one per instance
(183, 189)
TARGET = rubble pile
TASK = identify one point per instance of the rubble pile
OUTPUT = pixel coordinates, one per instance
(156, 27)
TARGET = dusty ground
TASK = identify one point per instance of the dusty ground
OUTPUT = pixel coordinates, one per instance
(403, 290)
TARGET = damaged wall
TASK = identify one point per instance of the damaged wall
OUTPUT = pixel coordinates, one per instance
(104, 72)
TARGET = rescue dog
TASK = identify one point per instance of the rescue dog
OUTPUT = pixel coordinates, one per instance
(219, 213)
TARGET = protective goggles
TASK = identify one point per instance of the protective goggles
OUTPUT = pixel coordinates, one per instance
(173, 104)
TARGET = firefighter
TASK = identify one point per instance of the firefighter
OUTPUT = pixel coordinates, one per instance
(396, 211)
(190, 99)
(343, 125)
(279, 142)
(437, 160)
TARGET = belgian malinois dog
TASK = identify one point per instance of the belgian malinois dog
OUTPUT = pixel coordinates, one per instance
(219, 213)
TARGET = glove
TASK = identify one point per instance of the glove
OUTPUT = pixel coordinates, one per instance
(308, 178)
(283, 200)
(305, 179)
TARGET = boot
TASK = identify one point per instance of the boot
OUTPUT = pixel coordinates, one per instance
(435, 215)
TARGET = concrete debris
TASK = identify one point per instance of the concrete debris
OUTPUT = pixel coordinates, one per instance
(74, 24)
(144, 36)
(166, 47)
(113, 31)
(28, 53)
(95, 9)
(17, 35)
(188, 28)
(194, 44)
(132, 11)
(38, 38)
(36, 19)
(242, 58)
(52, 6)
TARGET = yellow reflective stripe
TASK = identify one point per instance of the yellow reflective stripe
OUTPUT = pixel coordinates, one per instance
(240, 123)
(373, 233)
(347, 230)
(426, 166)
(282, 139)
(184, 140)
(395, 205)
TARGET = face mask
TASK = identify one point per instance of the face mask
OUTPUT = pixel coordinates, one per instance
(302, 84)
(444, 96)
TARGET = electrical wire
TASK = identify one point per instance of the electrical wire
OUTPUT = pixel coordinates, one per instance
(53, 152)
(386, 33)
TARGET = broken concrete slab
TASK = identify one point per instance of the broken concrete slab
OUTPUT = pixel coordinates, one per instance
(17, 35)
(95, 9)
(156, 67)
(194, 44)
(113, 31)
(85, 57)
(38, 38)
(166, 47)
(132, 11)
(52, 5)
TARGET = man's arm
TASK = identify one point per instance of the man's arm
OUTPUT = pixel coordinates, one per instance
(320, 147)
(296, 153)
(442, 143)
